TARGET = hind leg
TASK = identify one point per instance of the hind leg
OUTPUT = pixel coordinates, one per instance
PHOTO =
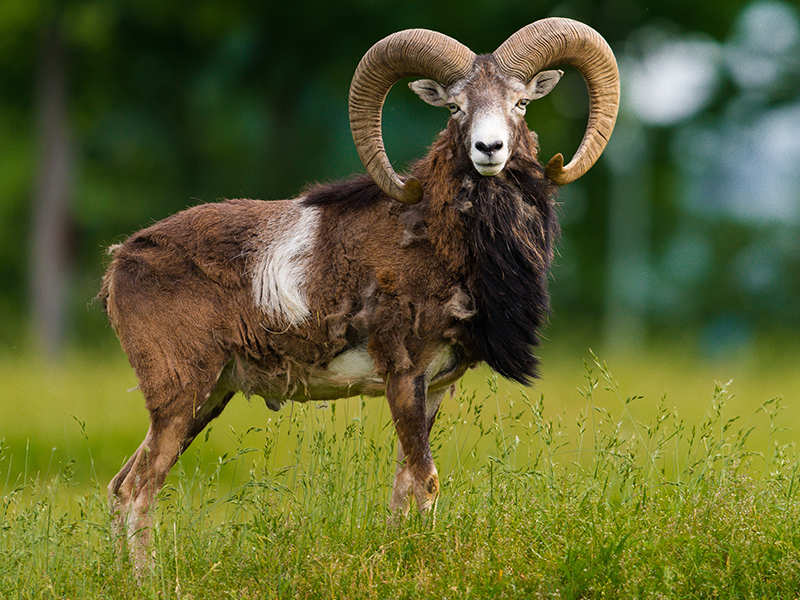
(133, 491)
(115, 498)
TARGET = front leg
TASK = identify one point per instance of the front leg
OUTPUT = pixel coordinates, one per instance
(413, 414)
(401, 490)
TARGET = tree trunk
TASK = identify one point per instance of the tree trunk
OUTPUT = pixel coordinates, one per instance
(51, 215)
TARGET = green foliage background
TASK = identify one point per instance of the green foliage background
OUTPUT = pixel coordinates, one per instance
(173, 104)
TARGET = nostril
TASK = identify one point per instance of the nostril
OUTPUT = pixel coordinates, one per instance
(489, 149)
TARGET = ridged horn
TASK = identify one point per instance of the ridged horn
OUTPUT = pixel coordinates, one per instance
(409, 53)
(558, 41)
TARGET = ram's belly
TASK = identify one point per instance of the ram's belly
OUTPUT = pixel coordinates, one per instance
(352, 373)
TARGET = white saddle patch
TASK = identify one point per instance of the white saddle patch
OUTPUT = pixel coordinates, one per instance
(280, 273)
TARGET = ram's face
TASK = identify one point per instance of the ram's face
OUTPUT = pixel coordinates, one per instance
(489, 107)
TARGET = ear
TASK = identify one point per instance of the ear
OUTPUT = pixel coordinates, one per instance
(430, 91)
(543, 84)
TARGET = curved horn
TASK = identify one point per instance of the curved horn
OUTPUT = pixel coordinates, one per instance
(410, 53)
(554, 41)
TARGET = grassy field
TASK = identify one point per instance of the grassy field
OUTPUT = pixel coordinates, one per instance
(675, 477)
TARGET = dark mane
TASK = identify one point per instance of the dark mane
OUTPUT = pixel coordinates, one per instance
(500, 232)
(357, 192)
(511, 234)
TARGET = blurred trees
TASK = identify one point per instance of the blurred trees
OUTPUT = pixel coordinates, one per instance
(114, 114)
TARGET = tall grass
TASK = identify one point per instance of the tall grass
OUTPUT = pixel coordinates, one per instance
(531, 506)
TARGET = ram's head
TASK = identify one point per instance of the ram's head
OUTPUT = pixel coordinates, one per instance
(486, 95)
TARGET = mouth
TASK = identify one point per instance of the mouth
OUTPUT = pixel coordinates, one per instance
(489, 169)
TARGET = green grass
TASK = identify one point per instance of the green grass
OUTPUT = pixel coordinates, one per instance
(606, 495)
(42, 404)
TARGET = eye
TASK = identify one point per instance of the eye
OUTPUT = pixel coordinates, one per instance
(452, 107)
(523, 103)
